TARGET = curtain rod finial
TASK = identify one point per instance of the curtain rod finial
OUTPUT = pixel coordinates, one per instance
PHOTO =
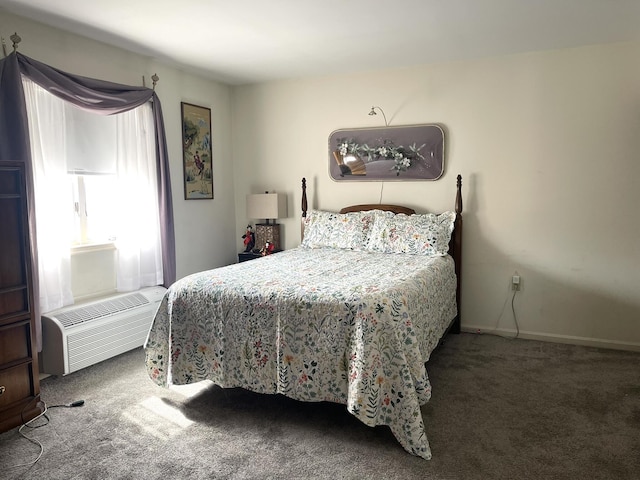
(15, 38)
(155, 79)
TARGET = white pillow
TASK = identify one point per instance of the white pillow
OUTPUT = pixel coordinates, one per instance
(337, 230)
(425, 234)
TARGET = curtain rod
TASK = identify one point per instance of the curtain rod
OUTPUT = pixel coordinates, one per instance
(16, 39)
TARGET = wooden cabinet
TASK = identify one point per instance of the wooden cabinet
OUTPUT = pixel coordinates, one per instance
(19, 385)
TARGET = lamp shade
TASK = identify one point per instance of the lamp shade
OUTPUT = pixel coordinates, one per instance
(267, 205)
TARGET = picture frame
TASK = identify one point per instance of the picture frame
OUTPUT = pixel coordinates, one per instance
(197, 152)
(407, 152)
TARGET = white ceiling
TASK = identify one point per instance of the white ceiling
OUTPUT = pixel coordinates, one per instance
(247, 41)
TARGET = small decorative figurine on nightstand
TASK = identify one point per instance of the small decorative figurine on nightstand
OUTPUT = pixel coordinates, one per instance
(268, 249)
(249, 239)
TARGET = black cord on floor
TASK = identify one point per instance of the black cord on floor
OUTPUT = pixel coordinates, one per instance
(77, 403)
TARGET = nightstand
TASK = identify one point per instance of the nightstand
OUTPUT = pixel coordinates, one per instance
(246, 256)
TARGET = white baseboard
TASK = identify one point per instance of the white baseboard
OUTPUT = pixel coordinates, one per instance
(547, 337)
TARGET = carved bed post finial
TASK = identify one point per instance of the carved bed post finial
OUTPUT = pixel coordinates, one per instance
(15, 38)
(459, 194)
(304, 197)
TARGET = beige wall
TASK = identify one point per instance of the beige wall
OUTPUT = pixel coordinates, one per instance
(549, 148)
(205, 229)
(548, 145)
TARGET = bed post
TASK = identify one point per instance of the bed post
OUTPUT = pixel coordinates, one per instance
(457, 250)
(304, 207)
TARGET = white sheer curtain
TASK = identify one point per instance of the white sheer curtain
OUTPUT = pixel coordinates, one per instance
(53, 195)
(135, 201)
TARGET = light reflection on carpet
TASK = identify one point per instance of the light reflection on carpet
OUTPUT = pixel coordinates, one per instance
(157, 418)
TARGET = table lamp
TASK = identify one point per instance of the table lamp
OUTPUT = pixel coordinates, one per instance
(267, 206)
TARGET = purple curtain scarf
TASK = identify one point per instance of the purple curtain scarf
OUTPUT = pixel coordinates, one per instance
(97, 96)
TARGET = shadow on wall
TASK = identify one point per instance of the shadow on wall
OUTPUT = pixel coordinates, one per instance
(552, 305)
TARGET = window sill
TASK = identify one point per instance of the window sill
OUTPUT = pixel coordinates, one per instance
(92, 247)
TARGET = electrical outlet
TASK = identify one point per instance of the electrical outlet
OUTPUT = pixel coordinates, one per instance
(515, 282)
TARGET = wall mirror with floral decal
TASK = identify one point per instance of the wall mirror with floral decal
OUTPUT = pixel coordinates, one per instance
(408, 152)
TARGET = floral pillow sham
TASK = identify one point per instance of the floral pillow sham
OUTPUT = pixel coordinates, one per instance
(419, 234)
(337, 230)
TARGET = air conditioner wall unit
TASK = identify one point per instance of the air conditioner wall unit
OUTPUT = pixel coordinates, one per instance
(80, 335)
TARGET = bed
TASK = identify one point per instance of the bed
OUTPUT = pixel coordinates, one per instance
(350, 316)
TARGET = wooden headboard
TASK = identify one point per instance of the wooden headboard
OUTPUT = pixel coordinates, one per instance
(455, 245)
(357, 208)
(379, 206)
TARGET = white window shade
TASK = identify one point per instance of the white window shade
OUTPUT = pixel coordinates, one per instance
(268, 206)
(91, 142)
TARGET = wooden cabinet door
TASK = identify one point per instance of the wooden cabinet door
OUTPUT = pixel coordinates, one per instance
(19, 384)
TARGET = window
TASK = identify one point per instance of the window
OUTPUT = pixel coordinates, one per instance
(91, 146)
(94, 217)
(95, 180)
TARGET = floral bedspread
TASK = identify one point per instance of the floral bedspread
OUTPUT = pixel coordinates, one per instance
(315, 325)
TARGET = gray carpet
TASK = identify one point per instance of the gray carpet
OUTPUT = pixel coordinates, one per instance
(501, 409)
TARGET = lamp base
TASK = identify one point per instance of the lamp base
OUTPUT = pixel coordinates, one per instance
(268, 232)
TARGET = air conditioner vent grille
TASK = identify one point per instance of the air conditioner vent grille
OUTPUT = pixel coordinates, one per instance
(101, 309)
